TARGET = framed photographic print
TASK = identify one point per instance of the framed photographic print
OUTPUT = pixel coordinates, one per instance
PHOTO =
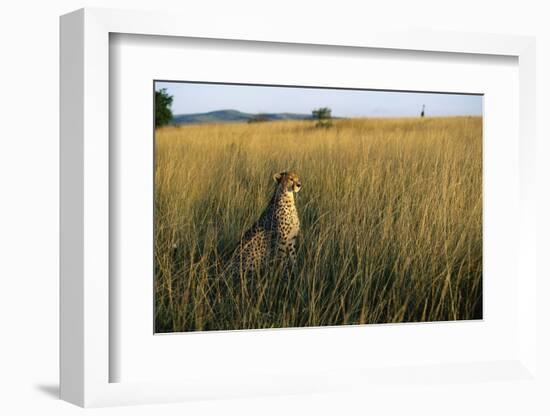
(281, 213)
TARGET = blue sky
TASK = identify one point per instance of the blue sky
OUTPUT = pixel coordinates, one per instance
(199, 98)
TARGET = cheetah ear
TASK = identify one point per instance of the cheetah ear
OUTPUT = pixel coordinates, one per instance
(277, 176)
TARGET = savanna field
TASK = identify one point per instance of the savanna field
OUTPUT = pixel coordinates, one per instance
(390, 211)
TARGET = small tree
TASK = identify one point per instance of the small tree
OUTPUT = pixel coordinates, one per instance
(323, 116)
(163, 104)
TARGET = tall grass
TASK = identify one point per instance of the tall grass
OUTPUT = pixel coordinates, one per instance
(390, 211)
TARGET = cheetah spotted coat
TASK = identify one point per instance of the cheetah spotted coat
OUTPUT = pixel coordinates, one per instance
(273, 236)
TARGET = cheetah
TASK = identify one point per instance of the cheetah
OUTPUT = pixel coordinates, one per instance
(273, 236)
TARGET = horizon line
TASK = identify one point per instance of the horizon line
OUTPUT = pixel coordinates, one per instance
(333, 116)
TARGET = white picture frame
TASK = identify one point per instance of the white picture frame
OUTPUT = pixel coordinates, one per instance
(85, 220)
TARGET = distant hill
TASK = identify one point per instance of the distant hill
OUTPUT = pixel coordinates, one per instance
(234, 116)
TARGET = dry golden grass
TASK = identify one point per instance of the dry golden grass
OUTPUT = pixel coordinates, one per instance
(391, 222)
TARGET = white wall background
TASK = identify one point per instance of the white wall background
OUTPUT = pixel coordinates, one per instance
(29, 187)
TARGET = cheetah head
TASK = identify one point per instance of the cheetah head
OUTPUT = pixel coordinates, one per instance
(288, 181)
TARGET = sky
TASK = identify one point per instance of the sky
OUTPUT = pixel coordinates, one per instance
(200, 98)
